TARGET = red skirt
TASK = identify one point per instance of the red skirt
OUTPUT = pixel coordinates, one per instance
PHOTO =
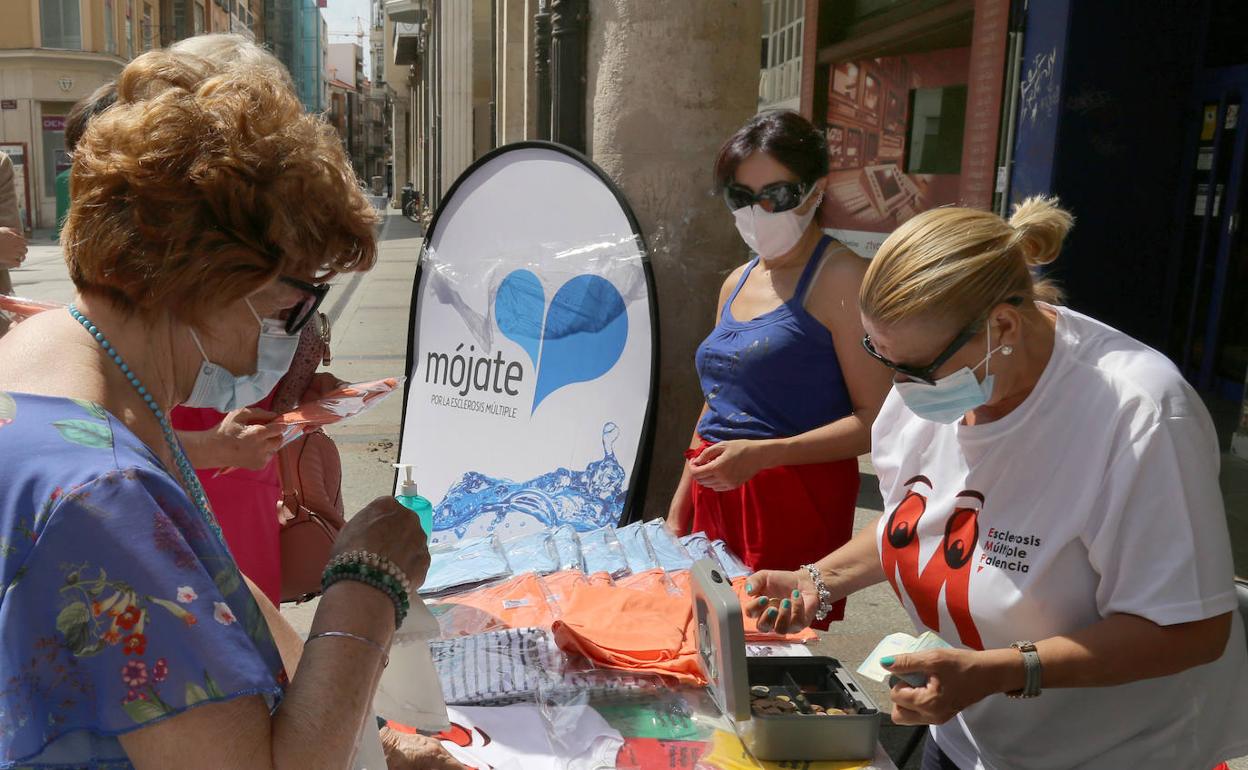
(784, 517)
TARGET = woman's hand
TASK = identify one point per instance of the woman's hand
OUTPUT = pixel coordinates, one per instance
(956, 679)
(412, 751)
(729, 464)
(388, 529)
(12, 248)
(245, 440)
(785, 602)
(321, 385)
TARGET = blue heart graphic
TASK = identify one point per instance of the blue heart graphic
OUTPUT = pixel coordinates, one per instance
(519, 307)
(579, 338)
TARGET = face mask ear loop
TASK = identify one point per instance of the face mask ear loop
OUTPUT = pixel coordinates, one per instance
(199, 345)
(254, 314)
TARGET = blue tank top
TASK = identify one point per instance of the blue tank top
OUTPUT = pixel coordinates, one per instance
(774, 376)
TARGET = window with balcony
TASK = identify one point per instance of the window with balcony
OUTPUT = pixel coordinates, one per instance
(60, 25)
(780, 80)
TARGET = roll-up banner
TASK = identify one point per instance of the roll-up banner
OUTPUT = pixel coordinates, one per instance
(532, 350)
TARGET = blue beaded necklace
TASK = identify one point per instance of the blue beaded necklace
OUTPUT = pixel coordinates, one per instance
(189, 479)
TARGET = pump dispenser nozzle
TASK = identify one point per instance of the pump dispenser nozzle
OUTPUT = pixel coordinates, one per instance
(408, 487)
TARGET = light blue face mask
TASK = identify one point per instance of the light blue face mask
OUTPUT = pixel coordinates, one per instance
(953, 396)
(217, 388)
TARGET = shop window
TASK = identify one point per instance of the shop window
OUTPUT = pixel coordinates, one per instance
(55, 158)
(781, 76)
(937, 120)
(60, 25)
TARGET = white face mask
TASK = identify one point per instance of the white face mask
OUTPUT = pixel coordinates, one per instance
(216, 388)
(952, 396)
(771, 233)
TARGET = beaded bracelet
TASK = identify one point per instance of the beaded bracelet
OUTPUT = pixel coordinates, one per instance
(371, 576)
(374, 560)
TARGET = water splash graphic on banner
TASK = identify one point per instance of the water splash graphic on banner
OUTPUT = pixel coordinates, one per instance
(578, 339)
(586, 499)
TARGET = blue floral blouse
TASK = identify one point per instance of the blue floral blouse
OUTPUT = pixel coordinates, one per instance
(118, 605)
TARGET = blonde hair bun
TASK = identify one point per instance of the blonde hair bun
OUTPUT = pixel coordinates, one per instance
(1040, 227)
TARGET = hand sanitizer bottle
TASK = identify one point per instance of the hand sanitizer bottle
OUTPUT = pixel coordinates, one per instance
(410, 499)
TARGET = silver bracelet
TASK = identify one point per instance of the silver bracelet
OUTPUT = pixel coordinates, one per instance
(825, 596)
(385, 657)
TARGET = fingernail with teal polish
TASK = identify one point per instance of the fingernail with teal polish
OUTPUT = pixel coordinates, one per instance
(762, 601)
(784, 605)
(887, 661)
(797, 594)
(749, 588)
(772, 613)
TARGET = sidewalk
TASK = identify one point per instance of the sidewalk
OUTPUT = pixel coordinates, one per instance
(368, 314)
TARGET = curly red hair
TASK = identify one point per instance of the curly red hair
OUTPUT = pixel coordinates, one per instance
(206, 180)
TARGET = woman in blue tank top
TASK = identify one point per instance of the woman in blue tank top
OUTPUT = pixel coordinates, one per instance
(790, 395)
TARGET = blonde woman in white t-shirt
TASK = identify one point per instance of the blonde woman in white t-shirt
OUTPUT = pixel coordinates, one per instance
(1052, 510)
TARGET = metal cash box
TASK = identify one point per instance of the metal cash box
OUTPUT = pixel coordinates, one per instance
(819, 681)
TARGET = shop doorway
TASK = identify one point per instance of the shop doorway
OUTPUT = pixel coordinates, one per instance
(1211, 331)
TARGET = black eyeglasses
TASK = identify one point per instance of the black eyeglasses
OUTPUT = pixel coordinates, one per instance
(299, 315)
(775, 197)
(927, 374)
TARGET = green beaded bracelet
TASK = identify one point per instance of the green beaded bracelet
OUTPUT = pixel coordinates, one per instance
(370, 576)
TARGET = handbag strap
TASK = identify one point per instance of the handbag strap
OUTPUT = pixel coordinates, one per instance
(288, 472)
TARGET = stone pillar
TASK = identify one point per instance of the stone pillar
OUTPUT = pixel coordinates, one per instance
(455, 80)
(513, 67)
(665, 90)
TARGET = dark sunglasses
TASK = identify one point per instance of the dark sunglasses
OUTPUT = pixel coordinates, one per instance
(927, 374)
(299, 315)
(775, 197)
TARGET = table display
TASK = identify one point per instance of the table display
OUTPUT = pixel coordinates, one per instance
(566, 668)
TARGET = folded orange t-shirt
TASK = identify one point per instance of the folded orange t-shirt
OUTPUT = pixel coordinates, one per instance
(520, 602)
(657, 637)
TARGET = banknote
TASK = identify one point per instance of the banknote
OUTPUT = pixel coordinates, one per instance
(898, 644)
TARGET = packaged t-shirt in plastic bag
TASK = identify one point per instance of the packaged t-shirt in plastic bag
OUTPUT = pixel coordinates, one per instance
(532, 553)
(465, 563)
(636, 548)
(603, 553)
(567, 547)
(698, 546)
(499, 667)
(670, 554)
(732, 565)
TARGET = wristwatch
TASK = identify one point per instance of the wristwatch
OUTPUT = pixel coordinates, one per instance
(1031, 669)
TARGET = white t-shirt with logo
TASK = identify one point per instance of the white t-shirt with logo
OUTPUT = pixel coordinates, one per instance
(1096, 496)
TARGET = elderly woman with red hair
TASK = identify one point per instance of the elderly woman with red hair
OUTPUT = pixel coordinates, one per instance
(128, 637)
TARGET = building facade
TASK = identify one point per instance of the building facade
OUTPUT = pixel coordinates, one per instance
(53, 53)
(348, 91)
(296, 32)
